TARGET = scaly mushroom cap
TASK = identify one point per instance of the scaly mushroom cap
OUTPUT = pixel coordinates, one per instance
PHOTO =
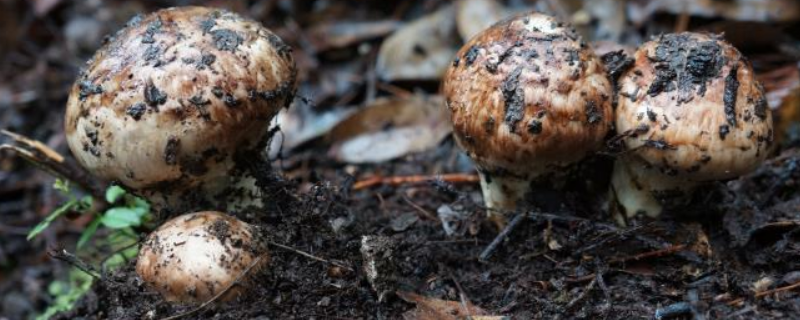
(193, 257)
(691, 107)
(527, 96)
(172, 96)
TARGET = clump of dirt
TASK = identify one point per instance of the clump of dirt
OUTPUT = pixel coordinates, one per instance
(704, 259)
(686, 64)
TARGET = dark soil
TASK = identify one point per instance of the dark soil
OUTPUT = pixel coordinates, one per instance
(569, 264)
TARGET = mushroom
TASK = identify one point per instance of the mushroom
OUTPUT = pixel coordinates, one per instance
(194, 257)
(176, 106)
(527, 98)
(690, 111)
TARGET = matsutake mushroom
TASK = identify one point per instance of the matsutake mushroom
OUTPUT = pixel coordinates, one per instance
(176, 106)
(195, 257)
(690, 111)
(527, 99)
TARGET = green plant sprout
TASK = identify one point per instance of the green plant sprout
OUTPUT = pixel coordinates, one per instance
(126, 212)
(66, 293)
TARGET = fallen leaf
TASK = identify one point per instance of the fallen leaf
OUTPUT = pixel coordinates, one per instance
(340, 34)
(780, 83)
(301, 124)
(421, 50)
(473, 16)
(390, 128)
(437, 309)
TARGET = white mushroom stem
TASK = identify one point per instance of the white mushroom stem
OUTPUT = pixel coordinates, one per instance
(227, 192)
(634, 184)
(502, 194)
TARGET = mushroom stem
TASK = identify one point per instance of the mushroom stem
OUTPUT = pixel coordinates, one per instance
(230, 192)
(636, 185)
(502, 194)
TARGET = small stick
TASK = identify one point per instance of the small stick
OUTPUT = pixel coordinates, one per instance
(776, 290)
(73, 260)
(673, 310)
(311, 256)
(583, 294)
(651, 254)
(462, 296)
(399, 180)
(501, 236)
(53, 163)
(422, 210)
(219, 294)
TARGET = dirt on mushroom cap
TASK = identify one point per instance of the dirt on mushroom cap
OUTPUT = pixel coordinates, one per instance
(705, 114)
(174, 94)
(528, 94)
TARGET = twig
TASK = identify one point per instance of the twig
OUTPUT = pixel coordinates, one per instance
(502, 236)
(422, 210)
(64, 255)
(673, 310)
(581, 279)
(612, 235)
(583, 294)
(398, 180)
(219, 294)
(651, 254)
(53, 163)
(311, 256)
(776, 290)
(462, 296)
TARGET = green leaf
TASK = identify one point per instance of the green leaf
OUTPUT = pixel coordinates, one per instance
(113, 193)
(121, 217)
(61, 185)
(85, 203)
(139, 203)
(66, 293)
(46, 222)
(90, 230)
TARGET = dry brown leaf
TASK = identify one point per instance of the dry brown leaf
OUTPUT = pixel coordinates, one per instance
(421, 50)
(340, 34)
(473, 16)
(786, 111)
(300, 125)
(780, 83)
(639, 11)
(390, 128)
(437, 309)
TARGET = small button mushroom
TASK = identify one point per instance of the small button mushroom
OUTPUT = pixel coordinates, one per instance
(196, 256)
(527, 98)
(690, 111)
(176, 103)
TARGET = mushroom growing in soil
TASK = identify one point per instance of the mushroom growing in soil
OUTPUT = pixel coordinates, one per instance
(194, 257)
(690, 111)
(176, 106)
(527, 99)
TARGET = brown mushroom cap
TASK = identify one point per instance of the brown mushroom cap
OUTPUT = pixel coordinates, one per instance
(193, 257)
(694, 107)
(175, 94)
(527, 96)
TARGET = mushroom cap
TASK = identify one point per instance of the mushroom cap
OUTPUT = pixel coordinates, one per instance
(172, 96)
(691, 106)
(527, 96)
(193, 257)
